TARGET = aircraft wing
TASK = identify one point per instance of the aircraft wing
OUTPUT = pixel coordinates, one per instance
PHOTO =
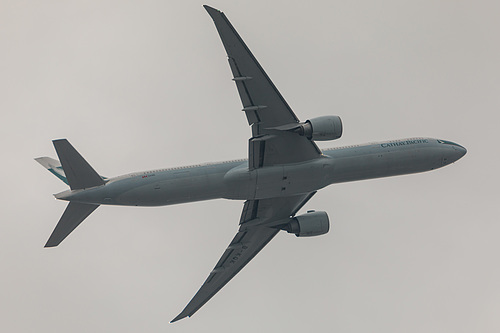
(263, 104)
(258, 225)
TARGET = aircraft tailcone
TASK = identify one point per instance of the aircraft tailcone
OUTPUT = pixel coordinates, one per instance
(63, 195)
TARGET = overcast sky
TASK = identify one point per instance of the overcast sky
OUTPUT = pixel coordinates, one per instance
(137, 85)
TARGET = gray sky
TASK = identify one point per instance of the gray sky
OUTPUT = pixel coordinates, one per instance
(142, 85)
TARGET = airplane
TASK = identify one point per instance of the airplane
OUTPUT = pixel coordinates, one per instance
(284, 169)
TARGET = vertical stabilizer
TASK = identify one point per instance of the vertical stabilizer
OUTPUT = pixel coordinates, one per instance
(74, 214)
(78, 172)
(54, 166)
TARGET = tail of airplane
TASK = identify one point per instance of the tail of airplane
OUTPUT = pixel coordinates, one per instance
(74, 214)
(76, 172)
(79, 173)
(54, 166)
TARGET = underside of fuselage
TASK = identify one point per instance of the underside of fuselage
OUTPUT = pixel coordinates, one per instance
(235, 181)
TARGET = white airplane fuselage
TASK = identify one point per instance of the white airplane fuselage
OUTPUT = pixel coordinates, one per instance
(234, 180)
(284, 169)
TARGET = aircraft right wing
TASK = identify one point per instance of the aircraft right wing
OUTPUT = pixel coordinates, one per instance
(264, 106)
(258, 225)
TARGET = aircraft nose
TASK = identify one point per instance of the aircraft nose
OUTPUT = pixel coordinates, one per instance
(459, 152)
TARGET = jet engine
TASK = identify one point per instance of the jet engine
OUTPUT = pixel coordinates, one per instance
(310, 224)
(323, 128)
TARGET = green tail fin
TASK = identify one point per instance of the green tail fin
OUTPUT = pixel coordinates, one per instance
(79, 174)
(54, 166)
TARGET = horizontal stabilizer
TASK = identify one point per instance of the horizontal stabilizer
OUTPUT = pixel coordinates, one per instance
(78, 171)
(74, 214)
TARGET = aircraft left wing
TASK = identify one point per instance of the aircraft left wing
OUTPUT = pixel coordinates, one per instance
(258, 225)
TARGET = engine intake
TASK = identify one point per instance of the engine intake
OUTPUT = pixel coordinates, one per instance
(323, 128)
(310, 224)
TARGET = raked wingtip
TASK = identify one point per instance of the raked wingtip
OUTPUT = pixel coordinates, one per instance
(211, 10)
(179, 317)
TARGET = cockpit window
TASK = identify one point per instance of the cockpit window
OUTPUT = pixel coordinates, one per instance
(448, 143)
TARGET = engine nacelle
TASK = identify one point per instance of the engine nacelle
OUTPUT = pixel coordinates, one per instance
(310, 224)
(323, 128)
